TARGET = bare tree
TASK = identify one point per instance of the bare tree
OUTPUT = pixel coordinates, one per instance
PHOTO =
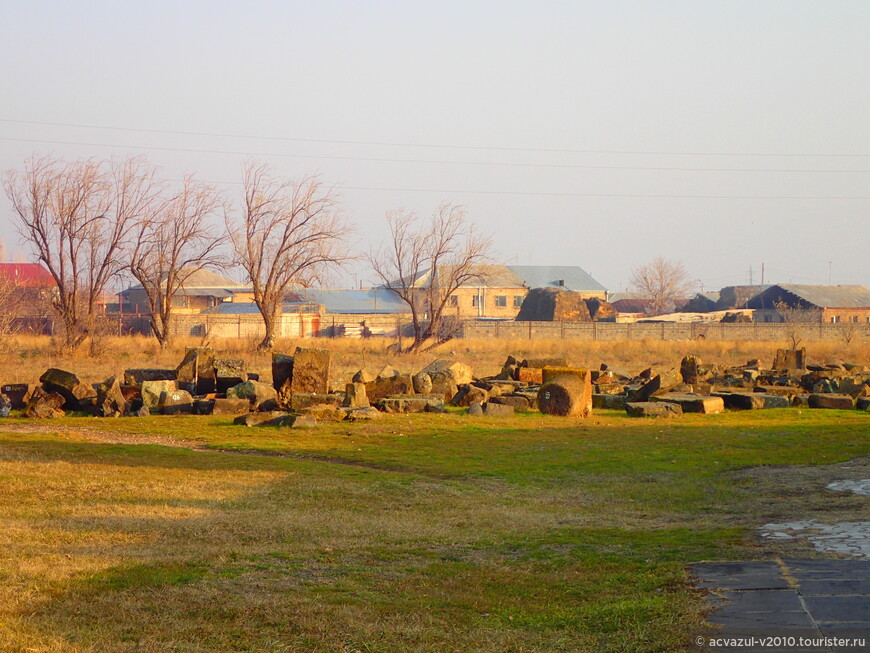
(425, 264)
(174, 240)
(290, 233)
(798, 319)
(77, 216)
(663, 280)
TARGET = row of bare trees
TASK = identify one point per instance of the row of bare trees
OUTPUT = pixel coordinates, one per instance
(89, 222)
(92, 221)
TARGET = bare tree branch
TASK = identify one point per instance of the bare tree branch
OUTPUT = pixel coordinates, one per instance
(289, 233)
(76, 217)
(173, 240)
(664, 281)
(425, 264)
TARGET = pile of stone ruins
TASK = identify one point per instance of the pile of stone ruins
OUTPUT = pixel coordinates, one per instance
(300, 394)
(699, 388)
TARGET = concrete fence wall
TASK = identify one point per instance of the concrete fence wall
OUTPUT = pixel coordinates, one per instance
(661, 331)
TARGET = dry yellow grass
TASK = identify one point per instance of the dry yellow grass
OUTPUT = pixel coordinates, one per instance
(24, 358)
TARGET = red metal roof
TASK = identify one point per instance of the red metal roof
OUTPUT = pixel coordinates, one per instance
(29, 275)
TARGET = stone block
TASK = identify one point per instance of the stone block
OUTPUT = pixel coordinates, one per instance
(469, 394)
(68, 386)
(657, 385)
(422, 383)
(311, 370)
(652, 409)
(44, 405)
(229, 372)
(175, 402)
(230, 406)
(273, 418)
(138, 376)
(355, 396)
(517, 402)
(530, 375)
(741, 400)
(531, 396)
(783, 390)
(5, 406)
(300, 401)
(854, 386)
(474, 409)
(362, 414)
(693, 403)
(364, 376)
(111, 401)
(608, 402)
(196, 370)
(863, 403)
(841, 402)
(541, 363)
(609, 388)
(443, 369)
(17, 394)
(325, 412)
(260, 396)
(410, 404)
(384, 387)
(387, 372)
(566, 392)
(491, 409)
(151, 391)
(789, 359)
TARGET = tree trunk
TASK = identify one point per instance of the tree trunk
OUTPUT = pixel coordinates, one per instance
(268, 341)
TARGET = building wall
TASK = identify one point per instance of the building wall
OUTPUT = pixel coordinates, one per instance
(827, 316)
(846, 316)
(290, 325)
(504, 303)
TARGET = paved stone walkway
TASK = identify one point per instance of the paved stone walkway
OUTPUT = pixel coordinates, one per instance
(808, 604)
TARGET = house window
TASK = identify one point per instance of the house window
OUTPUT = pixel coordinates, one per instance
(518, 301)
(474, 300)
(854, 319)
(835, 319)
(453, 301)
(501, 300)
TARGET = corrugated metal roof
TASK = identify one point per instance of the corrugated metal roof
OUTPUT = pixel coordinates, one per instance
(250, 308)
(818, 295)
(29, 275)
(490, 276)
(548, 276)
(373, 300)
(353, 302)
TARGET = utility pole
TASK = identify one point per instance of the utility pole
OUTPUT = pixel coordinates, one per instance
(762, 273)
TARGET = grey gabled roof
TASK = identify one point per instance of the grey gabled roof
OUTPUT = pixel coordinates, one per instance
(548, 276)
(817, 295)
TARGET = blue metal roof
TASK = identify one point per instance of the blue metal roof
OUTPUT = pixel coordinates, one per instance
(373, 300)
(548, 276)
(355, 302)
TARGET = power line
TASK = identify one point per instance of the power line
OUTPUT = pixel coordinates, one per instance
(428, 145)
(431, 161)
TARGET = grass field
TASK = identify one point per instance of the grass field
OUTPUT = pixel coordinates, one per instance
(413, 533)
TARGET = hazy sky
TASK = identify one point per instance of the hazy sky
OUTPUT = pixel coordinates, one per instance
(725, 134)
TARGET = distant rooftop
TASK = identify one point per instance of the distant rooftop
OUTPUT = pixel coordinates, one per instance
(570, 277)
(822, 296)
(28, 275)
